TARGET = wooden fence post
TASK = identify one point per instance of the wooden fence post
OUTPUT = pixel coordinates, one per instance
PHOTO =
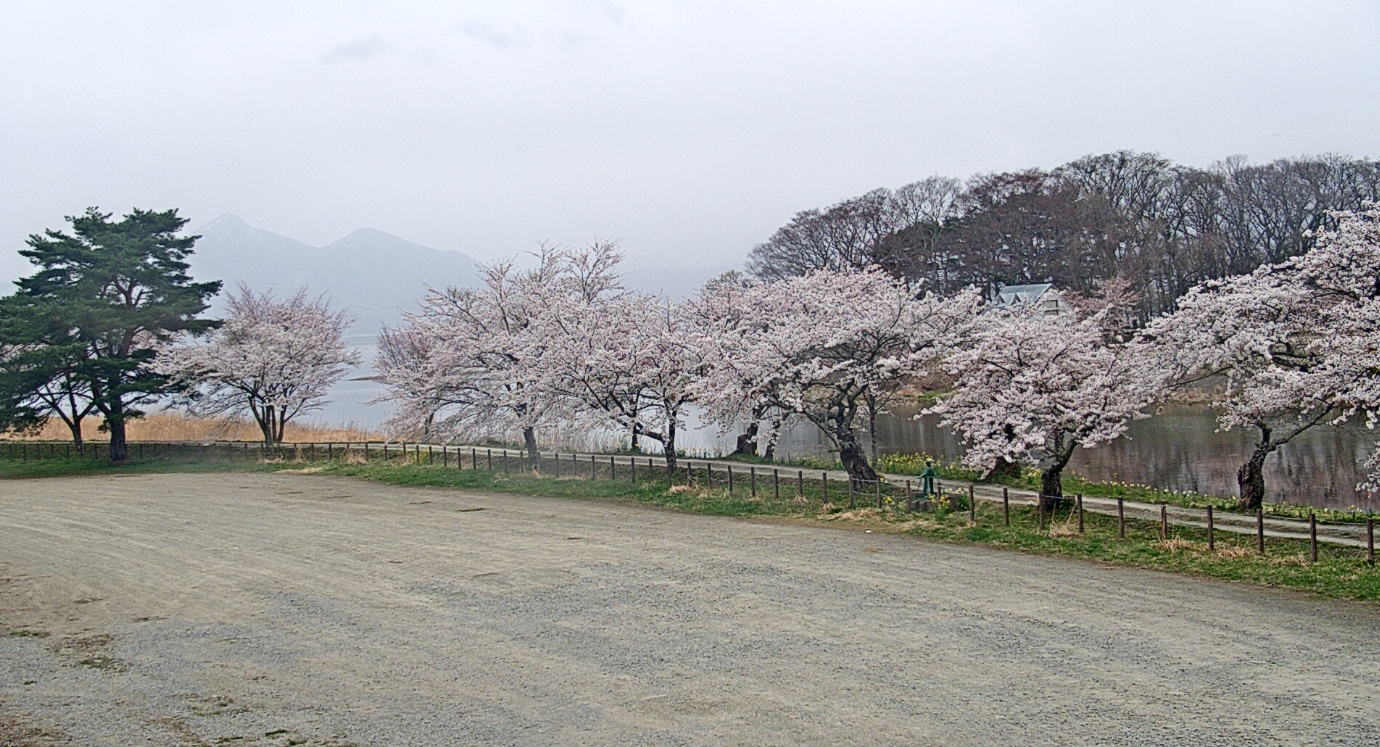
(632, 461)
(730, 478)
(852, 499)
(474, 459)
(972, 505)
(824, 483)
(1313, 536)
(800, 482)
(752, 481)
(1121, 518)
(1370, 541)
(613, 469)
(776, 483)
(879, 492)
(1040, 509)
(1260, 530)
(1006, 506)
(1164, 521)
(1212, 532)
(1079, 498)
(910, 497)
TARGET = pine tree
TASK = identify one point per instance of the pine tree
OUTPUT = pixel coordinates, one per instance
(92, 316)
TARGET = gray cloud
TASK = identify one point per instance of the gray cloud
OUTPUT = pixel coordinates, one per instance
(483, 32)
(358, 49)
(691, 131)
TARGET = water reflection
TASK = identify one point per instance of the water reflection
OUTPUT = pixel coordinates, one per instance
(1179, 449)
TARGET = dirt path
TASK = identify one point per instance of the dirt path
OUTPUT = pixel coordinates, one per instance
(275, 609)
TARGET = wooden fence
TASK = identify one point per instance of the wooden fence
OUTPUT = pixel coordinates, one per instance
(831, 486)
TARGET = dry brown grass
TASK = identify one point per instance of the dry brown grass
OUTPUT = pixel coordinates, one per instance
(1066, 528)
(856, 514)
(173, 426)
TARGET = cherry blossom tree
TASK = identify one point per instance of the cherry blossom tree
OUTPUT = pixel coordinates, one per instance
(1296, 342)
(460, 366)
(830, 347)
(1032, 389)
(1340, 277)
(624, 362)
(475, 362)
(275, 359)
(723, 319)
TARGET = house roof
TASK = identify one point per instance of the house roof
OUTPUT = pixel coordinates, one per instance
(1009, 294)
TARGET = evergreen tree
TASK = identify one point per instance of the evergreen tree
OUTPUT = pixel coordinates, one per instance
(88, 323)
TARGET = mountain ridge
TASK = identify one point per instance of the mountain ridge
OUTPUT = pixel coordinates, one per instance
(371, 274)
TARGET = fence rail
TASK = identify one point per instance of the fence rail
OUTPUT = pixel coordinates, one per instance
(889, 491)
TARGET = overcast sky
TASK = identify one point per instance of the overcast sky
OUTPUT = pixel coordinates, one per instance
(690, 131)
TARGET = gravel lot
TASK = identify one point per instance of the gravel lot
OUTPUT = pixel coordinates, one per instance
(289, 609)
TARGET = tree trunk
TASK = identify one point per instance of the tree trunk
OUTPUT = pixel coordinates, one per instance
(669, 446)
(266, 426)
(1051, 488)
(636, 448)
(770, 453)
(1250, 479)
(115, 422)
(872, 431)
(279, 425)
(1052, 474)
(854, 461)
(75, 427)
(529, 440)
(747, 442)
(74, 423)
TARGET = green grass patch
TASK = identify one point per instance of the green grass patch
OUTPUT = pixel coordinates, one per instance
(11, 469)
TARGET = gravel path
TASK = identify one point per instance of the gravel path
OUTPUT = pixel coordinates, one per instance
(280, 609)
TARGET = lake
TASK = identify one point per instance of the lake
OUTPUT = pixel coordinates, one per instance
(1178, 449)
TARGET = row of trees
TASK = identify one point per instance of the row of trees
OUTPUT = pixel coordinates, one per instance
(112, 322)
(1162, 226)
(1297, 342)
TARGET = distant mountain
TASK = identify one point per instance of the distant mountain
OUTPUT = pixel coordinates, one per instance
(371, 274)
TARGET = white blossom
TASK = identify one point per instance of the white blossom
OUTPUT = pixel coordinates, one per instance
(273, 359)
(1031, 389)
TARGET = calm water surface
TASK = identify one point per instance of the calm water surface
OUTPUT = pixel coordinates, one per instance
(1179, 449)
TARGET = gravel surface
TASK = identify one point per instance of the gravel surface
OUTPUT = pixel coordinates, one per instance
(292, 609)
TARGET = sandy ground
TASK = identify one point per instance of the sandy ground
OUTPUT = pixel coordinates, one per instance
(275, 609)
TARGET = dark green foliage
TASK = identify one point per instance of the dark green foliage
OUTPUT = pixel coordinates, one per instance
(81, 331)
